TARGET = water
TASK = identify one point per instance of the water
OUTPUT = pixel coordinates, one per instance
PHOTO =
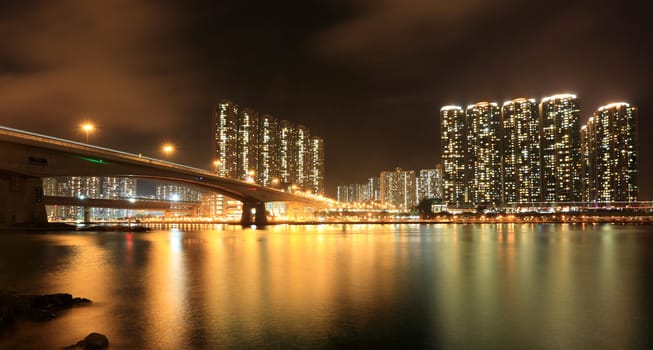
(510, 286)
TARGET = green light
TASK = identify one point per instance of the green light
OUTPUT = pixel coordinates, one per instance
(93, 160)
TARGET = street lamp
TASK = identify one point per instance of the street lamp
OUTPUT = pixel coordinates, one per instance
(216, 164)
(168, 149)
(87, 128)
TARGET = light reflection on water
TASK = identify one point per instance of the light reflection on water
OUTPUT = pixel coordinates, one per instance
(547, 286)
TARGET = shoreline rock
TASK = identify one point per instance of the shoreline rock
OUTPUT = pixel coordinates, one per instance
(35, 308)
(93, 341)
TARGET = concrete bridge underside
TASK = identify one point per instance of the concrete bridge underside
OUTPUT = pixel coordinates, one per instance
(26, 158)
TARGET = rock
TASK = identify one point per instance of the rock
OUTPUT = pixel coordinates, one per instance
(37, 308)
(95, 341)
(81, 301)
(53, 301)
(39, 315)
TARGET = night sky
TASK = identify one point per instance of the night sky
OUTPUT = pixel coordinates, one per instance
(369, 76)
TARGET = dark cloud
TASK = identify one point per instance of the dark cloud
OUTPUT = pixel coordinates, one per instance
(386, 30)
(76, 59)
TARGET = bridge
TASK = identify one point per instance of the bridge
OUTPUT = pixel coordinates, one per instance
(26, 157)
(122, 203)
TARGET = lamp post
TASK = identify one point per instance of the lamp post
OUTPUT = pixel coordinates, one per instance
(88, 128)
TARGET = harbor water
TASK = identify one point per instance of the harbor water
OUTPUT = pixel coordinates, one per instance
(437, 286)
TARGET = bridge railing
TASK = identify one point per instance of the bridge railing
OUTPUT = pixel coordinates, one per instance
(84, 146)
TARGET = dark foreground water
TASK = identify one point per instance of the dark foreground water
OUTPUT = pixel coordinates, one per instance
(545, 286)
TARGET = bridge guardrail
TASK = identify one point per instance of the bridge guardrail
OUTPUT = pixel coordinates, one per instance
(84, 146)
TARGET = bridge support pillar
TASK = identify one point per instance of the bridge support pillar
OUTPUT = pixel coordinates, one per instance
(21, 201)
(87, 215)
(253, 214)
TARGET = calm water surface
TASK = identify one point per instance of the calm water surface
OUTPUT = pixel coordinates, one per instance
(545, 286)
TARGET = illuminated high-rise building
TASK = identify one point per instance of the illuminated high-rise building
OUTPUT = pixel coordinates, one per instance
(398, 188)
(365, 192)
(118, 188)
(247, 145)
(429, 183)
(176, 192)
(521, 151)
(356, 192)
(454, 154)
(610, 152)
(301, 157)
(560, 147)
(316, 165)
(343, 193)
(265, 150)
(374, 184)
(484, 153)
(286, 152)
(268, 143)
(225, 139)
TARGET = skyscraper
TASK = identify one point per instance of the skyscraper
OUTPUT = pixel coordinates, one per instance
(521, 151)
(398, 188)
(301, 158)
(247, 144)
(225, 139)
(544, 154)
(429, 183)
(454, 154)
(374, 184)
(343, 193)
(286, 152)
(561, 167)
(316, 165)
(484, 151)
(609, 148)
(265, 150)
(267, 172)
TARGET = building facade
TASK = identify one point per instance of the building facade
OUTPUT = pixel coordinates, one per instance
(522, 175)
(88, 187)
(247, 146)
(429, 183)
(374, 184)
(398, 188)
(544, 155)
(225, 139)
(610, 151)
(175, 192)
(316, 166)
(453, 128)
(271, 152)
(484, 154)
(560, 147)
(268, 140)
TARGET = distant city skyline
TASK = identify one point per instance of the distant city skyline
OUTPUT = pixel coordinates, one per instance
(525, 152)
(399, 188)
